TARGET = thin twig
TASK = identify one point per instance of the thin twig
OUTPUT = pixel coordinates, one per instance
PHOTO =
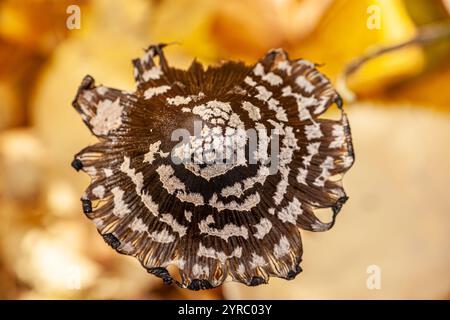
(425, 35)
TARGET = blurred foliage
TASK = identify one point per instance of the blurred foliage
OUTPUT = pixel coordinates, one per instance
(45, 241)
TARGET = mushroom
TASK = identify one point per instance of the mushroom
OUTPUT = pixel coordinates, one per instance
(214, 171)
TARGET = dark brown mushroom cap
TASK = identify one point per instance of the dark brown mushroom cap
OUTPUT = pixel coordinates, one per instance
(214, 219)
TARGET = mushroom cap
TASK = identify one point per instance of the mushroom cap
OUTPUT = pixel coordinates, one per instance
(214, 171)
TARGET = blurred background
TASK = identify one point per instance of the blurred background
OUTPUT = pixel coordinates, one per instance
(398, 216)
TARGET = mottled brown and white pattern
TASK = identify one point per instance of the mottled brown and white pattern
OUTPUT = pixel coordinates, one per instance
(214, 221)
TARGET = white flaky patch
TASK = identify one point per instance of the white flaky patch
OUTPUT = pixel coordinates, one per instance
(175, 186)
(176, 227)
(269, 77)
(108, 172)
(153, 150)
(302, 174)
(211, 147)
(194, 198)
(347, 161)
(273, 79)
(258, 70)
(281, 186)
(338, 133)
(162, 236)
(289, 145)
(217, 112)
(152, 206)
(313, 131)
(326, 166)
(282, 248)
(108, 117)
(277, 127)
(249, 202)
(291, 212)
(218, 255)
(235, 121)
(154, 91)
(263, 228)
(200, 271)
(170, 182)
(260, 177)
(323, 101)
(212, 170)
(138, 225)
(238, 90)
(239, 188)
(213, 109)
(304, 83)
(138, 180)
(280, 113)
(312, 150)
(257, 261)
(261, 154)
(234, 190)
(250, 81)
(198, 96)
(120, 207)
(304, 114)
(102, 90)
(154, 73)
(136, 177)
(304, 104)
(188, 215)
(240, 268)
(229, 230)
(99, 192)
(217, 121)
(263, 93)
(285, 66)
(179, 100)
(253, 111)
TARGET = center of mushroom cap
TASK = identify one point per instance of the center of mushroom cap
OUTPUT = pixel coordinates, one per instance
(217, 144)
